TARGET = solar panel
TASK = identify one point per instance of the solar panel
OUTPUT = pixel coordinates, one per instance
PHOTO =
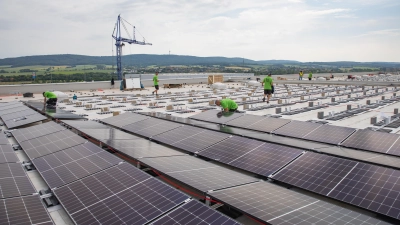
(315, 172)
(51, 143)
(141, 148)
(10, 104)
(13, 181)
(394, 149)
(297, 129)
(73, 163)
(245, 121)
(195, 213)
(124, 119)
(3, 140)
(18, 114)
(371, 141)
(230, 149)
(17, 122)
(23, 210)
(12, 110)
(151, 127)
(268, 124)
(200, 141)
(177, 134)
(7, 154)
(121, 194)
(211, 116)
(28, 133)
(329, 134)
(87, 124)
(197, 173)
(277, 205)
(107, 134)
(371, 187)
(266, 159)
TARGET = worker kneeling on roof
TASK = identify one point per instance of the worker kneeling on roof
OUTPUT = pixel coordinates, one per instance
(228, 105)
(51, 98)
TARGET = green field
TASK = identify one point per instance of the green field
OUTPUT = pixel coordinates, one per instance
(41, 70)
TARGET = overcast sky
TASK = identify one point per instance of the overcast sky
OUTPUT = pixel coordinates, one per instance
(303, 30)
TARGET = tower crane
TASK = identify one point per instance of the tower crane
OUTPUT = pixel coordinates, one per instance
(119, 42)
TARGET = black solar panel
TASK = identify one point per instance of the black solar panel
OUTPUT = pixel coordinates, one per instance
(23, 210)
(371, 187)
(245, 121)
(87, 124)
(266, 159)
(195, 213)
(51, 143)
(211, 116)
(178, 134)
(297, 129)
(394, 149)
(13, 181)
(122, 194)
(17, 122)
(151, 127)
(141, 148)
(73, 163)
(7, 154)
(28, 133)
(124, 119)
(315, 172)
(268, 124)
(107, 134)
(231, 149)
(371, 140)
(200, 141)
(197, 173)
(329, 134)
(277, 205)
(18, 114)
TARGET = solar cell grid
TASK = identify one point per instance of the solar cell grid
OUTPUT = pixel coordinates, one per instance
(297, 129)
(395, 148)
(12, 109)
(23, 210)
(124, 119)
(371, 187)
(121, 194)
(149, 128)
(266, 159)
(13, 181)
(28, 133)
(7, 154)
(73, 163)
(315, 172)
(18, 114)
(195, 213)
(200, 141)
(329, 134)
(3, 139)
(245, 121)
(26, 120)
(51, 143)
(177, 134)
(8, 104)
(230, 149)
(371, 140)
(268, 124)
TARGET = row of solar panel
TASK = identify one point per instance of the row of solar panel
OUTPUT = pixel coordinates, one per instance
(15, 114)
(255, 156)
(96, 187)
(386, 143)
(269, 206)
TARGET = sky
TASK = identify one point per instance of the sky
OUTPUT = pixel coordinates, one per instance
(302, 30)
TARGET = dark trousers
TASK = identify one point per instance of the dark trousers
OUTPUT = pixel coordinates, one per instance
(51, 101)
(232, 110)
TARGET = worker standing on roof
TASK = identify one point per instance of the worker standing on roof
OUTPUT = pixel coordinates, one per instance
(51, 98)
(155, 80)
(301, 75)
(310, 76)
(228, 105)
(268, 83)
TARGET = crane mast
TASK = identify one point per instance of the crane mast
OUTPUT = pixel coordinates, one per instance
(120, 42)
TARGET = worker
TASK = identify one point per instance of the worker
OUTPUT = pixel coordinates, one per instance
(74, 97)
(310, 76)
(228, 105)
(301, 75)
(268, 83)
(51, 98)
(112, 82)
(155, 81)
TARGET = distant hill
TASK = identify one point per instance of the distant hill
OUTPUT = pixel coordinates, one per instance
(165, 60)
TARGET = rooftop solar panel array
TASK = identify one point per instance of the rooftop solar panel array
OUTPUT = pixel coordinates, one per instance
(18, 114)
(23, 210)
(13, 181)
(12, 109)
(277, 205)
(297, 129)
(245, 121)
(124, 119)
(268, 124)
(216, 116)
(32, 132)
(51, 143)
(7, 154)
(73, 163)
(195, 213)
(200, 141)
(121, 194)
(177, 134)
(151, 127)
(329, 134)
